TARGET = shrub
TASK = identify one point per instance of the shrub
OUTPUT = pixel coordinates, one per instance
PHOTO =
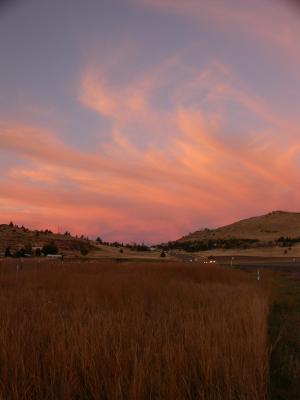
(20, 253)
(50, 248)
(84, 251)
(38, 252)
(28, 248)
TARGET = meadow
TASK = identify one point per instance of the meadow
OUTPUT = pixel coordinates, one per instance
(131, 331)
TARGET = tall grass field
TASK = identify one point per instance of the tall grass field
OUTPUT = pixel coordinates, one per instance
(136, 331)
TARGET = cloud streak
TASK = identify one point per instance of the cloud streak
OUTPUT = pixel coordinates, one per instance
(186, 142)
(153, 192)
(255, 19)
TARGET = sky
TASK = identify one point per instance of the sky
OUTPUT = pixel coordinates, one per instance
(144, 120)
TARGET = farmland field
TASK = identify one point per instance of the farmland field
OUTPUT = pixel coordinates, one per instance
(131, 331)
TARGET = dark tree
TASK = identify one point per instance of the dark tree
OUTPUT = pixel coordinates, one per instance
(84, 251)
(28, 248)
(7, 252)
(38, 252)
(50, 248)
(20, 253)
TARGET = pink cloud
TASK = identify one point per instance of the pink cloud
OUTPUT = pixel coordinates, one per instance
(206, 177)
(185, 175)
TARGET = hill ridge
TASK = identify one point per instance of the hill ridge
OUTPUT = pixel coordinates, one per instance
(15, 237)
(266, 227)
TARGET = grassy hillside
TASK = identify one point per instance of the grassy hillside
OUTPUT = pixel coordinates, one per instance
(16, 237)
(267, 227)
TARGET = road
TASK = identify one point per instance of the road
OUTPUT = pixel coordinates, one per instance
(278, 264)
(187, 257)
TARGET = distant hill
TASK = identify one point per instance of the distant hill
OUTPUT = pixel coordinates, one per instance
(265, 228)
(16, 237)
(20, 239)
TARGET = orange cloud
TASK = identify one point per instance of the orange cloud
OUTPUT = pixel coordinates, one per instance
(185, 173)
(160, 194)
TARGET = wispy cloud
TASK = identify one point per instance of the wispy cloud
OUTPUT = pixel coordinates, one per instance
(272, 24)
(155, 191)
(188, 142)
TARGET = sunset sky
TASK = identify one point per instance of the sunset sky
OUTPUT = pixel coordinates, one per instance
(143, 120)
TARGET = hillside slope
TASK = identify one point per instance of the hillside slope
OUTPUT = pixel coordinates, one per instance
(264, 228)
(16, 237)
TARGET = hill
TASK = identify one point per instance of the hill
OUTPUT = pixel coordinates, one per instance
(265, 228)
(16, 237)
(273, 230)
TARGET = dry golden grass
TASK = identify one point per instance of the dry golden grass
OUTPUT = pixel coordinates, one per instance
(264, 228)
(132, 331)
